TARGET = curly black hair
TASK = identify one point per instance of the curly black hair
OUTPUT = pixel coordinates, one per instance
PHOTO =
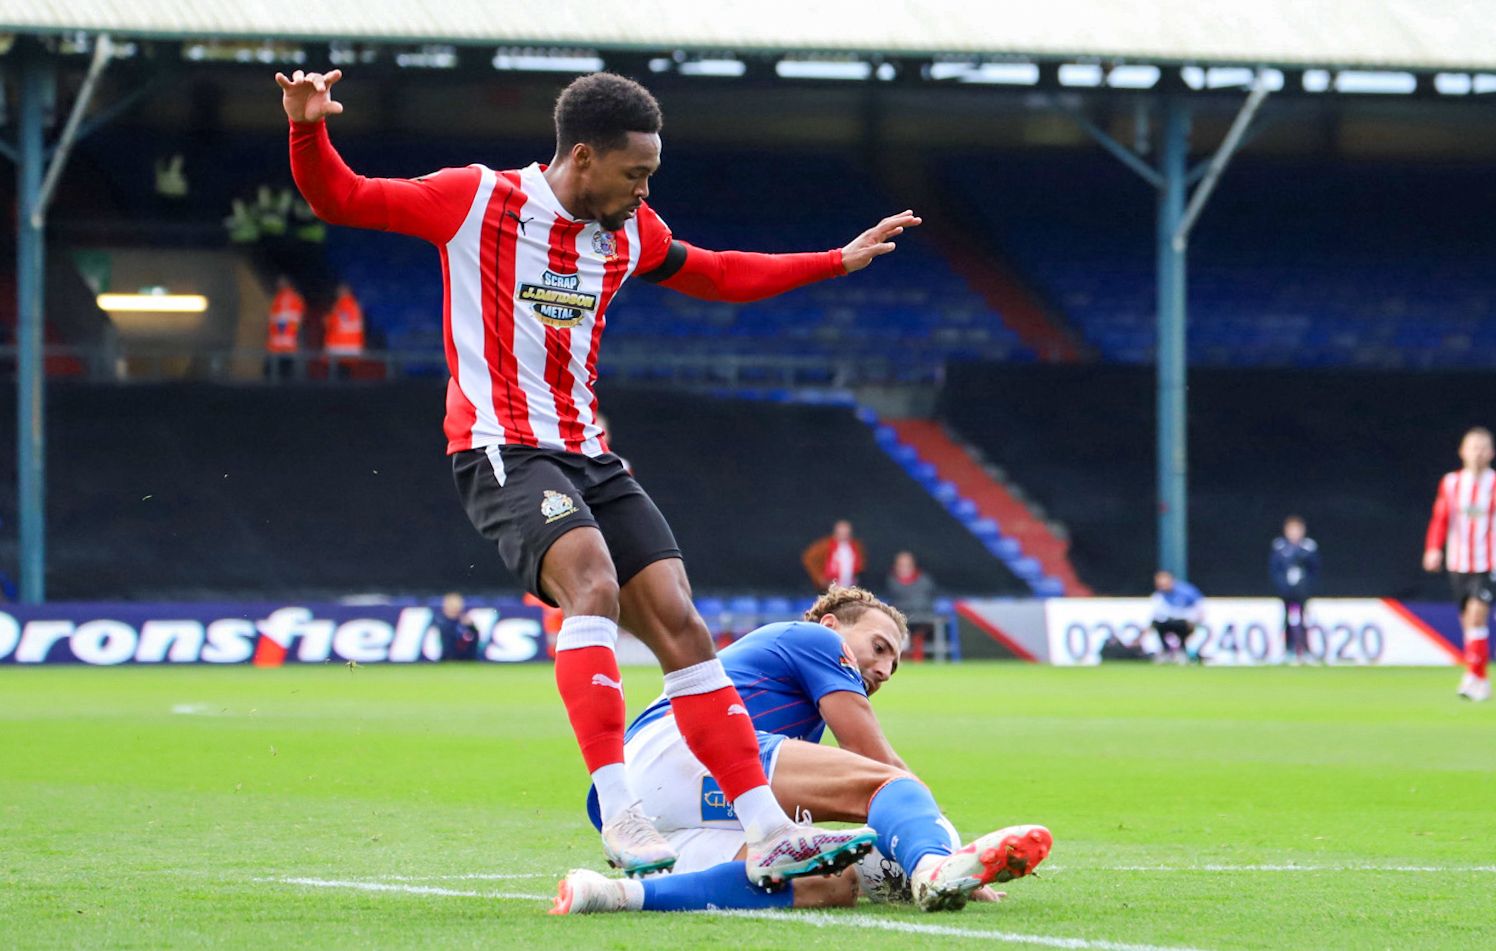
(601, 109)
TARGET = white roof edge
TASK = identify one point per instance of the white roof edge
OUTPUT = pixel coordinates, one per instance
(1389, 34)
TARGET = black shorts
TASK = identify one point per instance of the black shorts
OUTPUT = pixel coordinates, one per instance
(1473, 584)
(523, 499)
(1179, 627)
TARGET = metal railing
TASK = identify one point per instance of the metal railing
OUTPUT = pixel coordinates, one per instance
(247, 365)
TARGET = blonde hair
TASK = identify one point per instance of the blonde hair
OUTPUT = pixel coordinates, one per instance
(849, 604)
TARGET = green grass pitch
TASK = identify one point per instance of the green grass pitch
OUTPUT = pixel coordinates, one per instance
(431, 806)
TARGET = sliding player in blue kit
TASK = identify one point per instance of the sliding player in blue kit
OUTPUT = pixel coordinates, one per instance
(796, 680)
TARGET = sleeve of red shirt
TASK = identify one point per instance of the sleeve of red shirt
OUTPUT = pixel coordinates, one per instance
(432, 207)
(1438, 524)
(742, 276)
(733, 276)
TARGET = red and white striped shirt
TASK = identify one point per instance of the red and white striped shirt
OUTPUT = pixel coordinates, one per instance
(1461, 525)
(527, 286)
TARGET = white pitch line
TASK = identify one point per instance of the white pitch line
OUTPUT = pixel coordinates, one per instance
(402, 889)
(471, 876)
(818, 919)
(1441, 869)
(813, 918)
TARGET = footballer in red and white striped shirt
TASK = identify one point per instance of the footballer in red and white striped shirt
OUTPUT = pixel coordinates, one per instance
(1462, 538)
(531, 259)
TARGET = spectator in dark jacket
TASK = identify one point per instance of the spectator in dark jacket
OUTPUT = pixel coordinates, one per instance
(458, 635)
(1294, 566)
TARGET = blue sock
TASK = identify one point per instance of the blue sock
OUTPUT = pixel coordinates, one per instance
(721, 886)
(908, 823)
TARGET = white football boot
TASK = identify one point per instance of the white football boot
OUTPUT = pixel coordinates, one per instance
(945, 882)
(585, 892)
(793, 851)
(1479, 690)
(634, 846)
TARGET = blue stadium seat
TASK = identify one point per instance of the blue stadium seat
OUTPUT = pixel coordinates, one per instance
(1028, 569)
(1049, 587)
(742, 614)
(712, 611)
(776, 609)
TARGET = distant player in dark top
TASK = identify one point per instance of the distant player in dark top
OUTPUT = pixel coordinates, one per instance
(1294, 565)
(531, 259)
(1461, 539)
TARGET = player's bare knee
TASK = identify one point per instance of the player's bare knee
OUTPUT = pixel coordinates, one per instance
(596, 593)
(877, 775)
(581, 578)
(829, 891)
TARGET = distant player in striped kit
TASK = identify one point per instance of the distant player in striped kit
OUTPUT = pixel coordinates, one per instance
(531, 258)
(1461, 539)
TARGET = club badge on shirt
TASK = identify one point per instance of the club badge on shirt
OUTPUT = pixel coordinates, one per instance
(604, 244)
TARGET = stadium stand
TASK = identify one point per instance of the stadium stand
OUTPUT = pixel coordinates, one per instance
(1357, 453)
(1303, 262)
(1387, 269)
(201, 490)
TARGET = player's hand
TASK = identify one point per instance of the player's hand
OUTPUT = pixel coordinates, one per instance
(986, 893)
(1433, 559)
(307, 97)
(877, 240)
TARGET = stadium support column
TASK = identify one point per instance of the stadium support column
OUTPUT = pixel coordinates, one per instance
(36, 88)
(1173, 446)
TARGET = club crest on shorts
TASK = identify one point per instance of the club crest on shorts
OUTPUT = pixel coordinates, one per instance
(605, 244)
(556, 505)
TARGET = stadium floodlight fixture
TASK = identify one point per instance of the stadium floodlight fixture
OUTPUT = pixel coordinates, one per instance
(1230, 77)
(531, 60)
(995, 74)
(155, 302)
(1316, 80)
(430, 56)
(842, 69)
(1453, 84)
(1381, 82)
(1484, 83)
(713, 67)
(1133, 77)
(1080, 74)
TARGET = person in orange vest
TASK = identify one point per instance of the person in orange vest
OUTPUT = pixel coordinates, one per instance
(343, 335)
(283, 332)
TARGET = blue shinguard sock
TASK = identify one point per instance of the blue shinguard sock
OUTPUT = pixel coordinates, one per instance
(721, 886)
(908, 823)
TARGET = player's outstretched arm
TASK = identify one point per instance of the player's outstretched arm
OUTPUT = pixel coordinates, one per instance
(852, 721)
(741, 277)
(432, 208)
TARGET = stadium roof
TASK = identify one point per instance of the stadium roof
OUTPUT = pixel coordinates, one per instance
(1409, 34)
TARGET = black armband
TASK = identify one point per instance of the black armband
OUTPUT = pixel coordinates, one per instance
(675, 259)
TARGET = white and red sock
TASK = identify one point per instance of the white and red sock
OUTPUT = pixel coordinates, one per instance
(714, 722)
(592, 688)
(1477, 651)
